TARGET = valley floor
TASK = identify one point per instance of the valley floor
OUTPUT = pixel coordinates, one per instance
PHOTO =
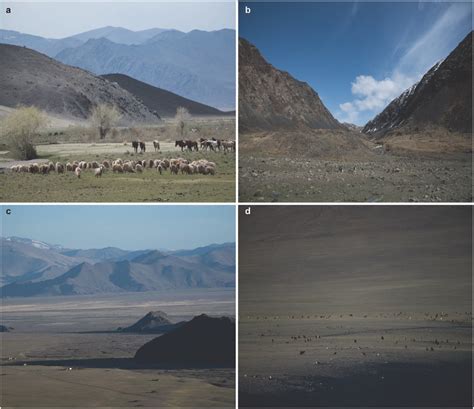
(370, 177)
(369, 360)
(148, 186)
(51, 336)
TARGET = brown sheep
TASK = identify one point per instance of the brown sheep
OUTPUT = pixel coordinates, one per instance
(51, 167)
(44, 169)
(174, 169)
(59, 167)
(127, 167)
(117, 168)
(106, 164)
(34, 168)
(69, 167)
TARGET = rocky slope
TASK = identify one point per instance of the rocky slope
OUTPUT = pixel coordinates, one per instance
(270, 99)
(442, 98)
(30, 78)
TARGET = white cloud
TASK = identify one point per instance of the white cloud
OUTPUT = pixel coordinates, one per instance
(373, 95)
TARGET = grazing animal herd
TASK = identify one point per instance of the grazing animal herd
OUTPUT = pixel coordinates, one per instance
(212, 144)
(174, 166)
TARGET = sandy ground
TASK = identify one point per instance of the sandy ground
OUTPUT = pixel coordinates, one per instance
(52, 335)
(355, 306)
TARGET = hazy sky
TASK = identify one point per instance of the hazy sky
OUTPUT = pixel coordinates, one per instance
(358, 56)
(65, 18)
(128, 227)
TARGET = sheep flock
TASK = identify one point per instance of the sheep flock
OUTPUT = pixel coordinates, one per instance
(174, 166)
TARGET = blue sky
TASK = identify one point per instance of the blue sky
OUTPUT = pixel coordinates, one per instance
(357, 56)
(58, 19)
(126, 227)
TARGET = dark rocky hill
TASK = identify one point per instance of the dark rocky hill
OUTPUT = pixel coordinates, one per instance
(270, 99)
(30, 78)
(153, 322)
(442, 98)
(158, 100)
(203, 341)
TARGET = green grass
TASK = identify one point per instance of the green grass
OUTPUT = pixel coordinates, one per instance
(148, 186)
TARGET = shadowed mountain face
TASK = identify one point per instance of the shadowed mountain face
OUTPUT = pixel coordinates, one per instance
(163, 102)
(30, 78)
(270, 99)
(121, 272)
(153, 322)
(442, 98)
(203, 341)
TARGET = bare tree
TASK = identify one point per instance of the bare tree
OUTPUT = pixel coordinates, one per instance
(182, 117)
(103, 117)
(19, 130)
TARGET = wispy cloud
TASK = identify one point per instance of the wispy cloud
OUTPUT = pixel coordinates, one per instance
(372, 95)
(436, 42)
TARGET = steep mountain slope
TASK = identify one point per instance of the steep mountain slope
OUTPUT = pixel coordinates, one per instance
(270, 99)
(443, 98)
(30, 78)
(198, 65)
(203, 341)
(165, 103)
(150, 271)
(31, 260)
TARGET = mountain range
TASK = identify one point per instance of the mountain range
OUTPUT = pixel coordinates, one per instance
(29, 270)
(198, 65)
(442, 98)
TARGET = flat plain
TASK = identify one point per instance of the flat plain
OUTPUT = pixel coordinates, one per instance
(65, 352)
